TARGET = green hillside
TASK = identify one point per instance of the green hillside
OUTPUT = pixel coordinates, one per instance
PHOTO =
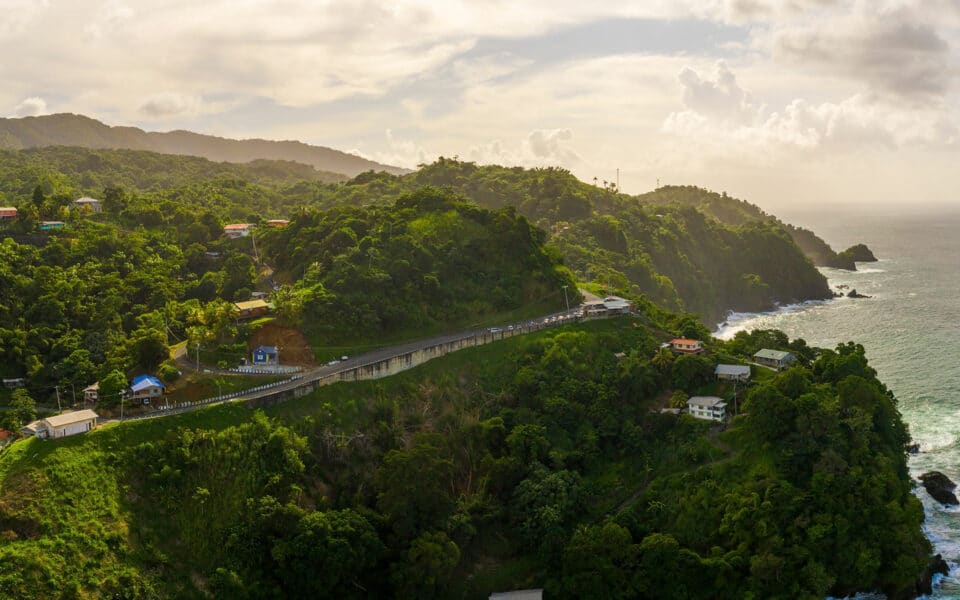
(534, 462)
(81, 131)
(732, 211)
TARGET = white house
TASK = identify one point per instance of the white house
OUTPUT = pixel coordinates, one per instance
(91, 204)
(686, 346)
(62, 425)
(71, 423)
(709, 408)
(774, 358)
(739, 373)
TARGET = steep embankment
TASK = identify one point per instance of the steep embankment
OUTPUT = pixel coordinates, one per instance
(534, 462)
(78, 130)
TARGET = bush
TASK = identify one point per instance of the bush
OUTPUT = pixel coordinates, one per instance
(168, 372)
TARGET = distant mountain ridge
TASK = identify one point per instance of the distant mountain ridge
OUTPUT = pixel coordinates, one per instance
(67, 129)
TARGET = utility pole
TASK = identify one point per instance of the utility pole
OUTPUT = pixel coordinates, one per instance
(57, 388)
(566, 299)
(253, 238)
(121, 406)
(198, 357)
(618, 179)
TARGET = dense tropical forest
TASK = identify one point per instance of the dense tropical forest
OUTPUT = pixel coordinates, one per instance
(545, 460)
(541, 461)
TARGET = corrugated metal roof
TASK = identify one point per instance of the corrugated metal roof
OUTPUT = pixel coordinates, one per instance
(772, 354)
(732, 370)
(142, 382)
(71, 417)
(251, 304)
(706, 401)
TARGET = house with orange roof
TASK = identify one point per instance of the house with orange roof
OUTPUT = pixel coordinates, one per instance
(237, 230)
(686, 346)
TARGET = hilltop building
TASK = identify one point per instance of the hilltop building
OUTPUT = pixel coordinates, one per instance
(62, 425)
(776, 359)
(237, 230)
(145, 388)
(686, 346)
(739, 373)
(87, 203)
(709, 408)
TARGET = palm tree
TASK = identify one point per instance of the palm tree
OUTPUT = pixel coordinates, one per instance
(663, 359)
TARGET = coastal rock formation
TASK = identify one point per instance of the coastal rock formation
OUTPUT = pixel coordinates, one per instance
(924, 587)
(859, 253)
(853, 294)
(940, 487)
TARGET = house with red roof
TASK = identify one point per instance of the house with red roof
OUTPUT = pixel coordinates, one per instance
(686, 346)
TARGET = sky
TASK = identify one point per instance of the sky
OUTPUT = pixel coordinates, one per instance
(784, 103)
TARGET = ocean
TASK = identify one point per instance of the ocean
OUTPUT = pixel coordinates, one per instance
(910, 327)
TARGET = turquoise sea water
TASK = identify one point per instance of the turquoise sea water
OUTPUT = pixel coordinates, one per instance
(910, 329)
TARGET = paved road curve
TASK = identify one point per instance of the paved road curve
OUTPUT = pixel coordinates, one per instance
(308, 378)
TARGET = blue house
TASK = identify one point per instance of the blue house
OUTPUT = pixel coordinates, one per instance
(145, 388)
(265, 355)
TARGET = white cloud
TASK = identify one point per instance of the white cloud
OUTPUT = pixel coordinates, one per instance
(721, 96)
(170, 104)
(861, 121)
(552, 146)
(31, 107)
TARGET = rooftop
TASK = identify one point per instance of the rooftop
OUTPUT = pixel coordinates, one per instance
(251, 304)
(518, 595)
(71, 417)
(266, 349)
(236, 227)
(772, 354)
(706, 401)
(141, 382)
(732, 370)
(684, 341)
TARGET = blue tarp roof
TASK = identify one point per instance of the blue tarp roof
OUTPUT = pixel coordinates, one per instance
(144, 381)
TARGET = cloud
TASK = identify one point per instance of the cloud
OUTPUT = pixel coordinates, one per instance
(861, 121)
(31, 107)
(896, 52)
(552, 146)
(170, 104)
(720, 96)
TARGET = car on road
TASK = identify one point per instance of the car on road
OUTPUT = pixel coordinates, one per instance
(494, 330)
(344, 357)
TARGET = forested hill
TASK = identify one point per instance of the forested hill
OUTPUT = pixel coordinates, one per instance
(430, 259)
(541, 461)
(78, 130)
(736, 212)
(677, 255)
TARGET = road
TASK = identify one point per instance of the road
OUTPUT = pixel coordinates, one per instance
(309, 377)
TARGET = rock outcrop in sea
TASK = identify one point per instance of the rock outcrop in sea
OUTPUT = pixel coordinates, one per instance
(940, 487)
